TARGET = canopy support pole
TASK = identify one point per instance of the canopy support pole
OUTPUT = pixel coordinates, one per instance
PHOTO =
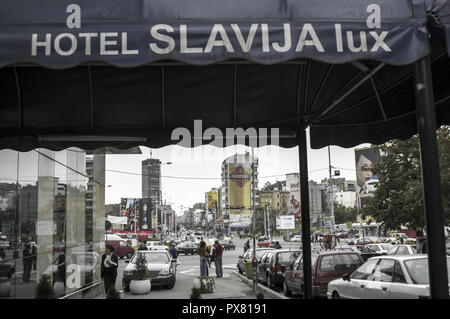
(431, 180)
(304, 199)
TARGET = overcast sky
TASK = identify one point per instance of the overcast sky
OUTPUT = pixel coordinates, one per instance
(182, 191)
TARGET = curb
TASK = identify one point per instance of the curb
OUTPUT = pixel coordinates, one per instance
(260, 288)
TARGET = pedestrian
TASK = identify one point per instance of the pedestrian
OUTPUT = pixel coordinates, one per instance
(204, 256)
(61, 267)
(247, 245)
(217, 258)
(27, 260)
(421, 242)
(173, 251)
(143, 246)
(109, 265)
(277, 245)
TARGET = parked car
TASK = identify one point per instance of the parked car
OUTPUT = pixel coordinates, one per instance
(156, 245)
(121, 248)
(248, 255)
(386, 277)
(187, 247)
(160, 264)
(402, 250)
(273, 264)
(363, 241)
(296, 238)
(265, 243)
(326, 266)
(380, 248)
(227, 244)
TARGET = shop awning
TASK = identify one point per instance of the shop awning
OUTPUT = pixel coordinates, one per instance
(124, 73)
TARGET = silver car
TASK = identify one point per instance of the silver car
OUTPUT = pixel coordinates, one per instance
(160, 264)
(386, 277)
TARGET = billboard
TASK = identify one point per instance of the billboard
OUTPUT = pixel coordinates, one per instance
(138, 213)
(213, 201)
(293, 187)
(240, 185)
(241, 217)
(365, 160)
(285, 222)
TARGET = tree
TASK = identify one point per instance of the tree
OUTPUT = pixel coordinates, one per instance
(398, 198)
(343, 215)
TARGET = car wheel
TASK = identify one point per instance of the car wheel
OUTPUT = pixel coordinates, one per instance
(335, 295)
(172, 284)
(129, 255)
(286, 290)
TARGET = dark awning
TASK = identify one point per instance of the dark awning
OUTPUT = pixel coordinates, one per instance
(127, 72)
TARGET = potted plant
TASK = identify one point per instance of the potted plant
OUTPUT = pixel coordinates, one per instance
(44, 288)
(140, 285)
(5, 287)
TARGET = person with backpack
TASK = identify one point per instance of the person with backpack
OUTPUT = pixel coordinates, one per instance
(217, 258)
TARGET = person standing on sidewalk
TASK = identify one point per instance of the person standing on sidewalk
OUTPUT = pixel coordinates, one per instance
(217, 257)
(109, 265)
(204, 256)
(27, 260)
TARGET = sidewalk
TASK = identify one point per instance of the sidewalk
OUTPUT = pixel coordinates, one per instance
(231, 287)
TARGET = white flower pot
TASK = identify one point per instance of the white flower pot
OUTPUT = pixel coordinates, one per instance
(140, 287)
(5, 287)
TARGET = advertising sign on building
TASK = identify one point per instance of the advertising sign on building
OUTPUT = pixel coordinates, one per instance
(365, 160)
(240, 194)
(213, 198)
(285, 222)
(130, 208)
(293, 187)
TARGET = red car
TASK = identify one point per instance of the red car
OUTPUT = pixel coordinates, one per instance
(326, 266)
(265, 243)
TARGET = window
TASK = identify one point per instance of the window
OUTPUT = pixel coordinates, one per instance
(340, 262)
(398, 273)
(365, 270)
(374, 247)
(384, 272)
(402, 250)
(392, 251)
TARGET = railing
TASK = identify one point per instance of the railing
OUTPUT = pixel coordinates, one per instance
(82, 289)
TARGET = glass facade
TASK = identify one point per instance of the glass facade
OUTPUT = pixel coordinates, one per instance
(52, 221)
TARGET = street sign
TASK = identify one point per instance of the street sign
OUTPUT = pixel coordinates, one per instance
(285, 222)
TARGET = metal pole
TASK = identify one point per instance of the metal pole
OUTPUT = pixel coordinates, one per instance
(255, 276)
(331, 192)
(431, 180)
(304, 189)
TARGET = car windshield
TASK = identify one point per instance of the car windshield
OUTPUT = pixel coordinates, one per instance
(386, 246)
(340, 262)
(154, 258)
(374, 247)
(418, 270)
(287, 257)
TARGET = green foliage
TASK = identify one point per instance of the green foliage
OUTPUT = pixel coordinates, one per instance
(207, 284)
(344, 215)
(398, 199)
(113, 293)
(141, 272)
(44, 288)
(259, 295)
(196, 293)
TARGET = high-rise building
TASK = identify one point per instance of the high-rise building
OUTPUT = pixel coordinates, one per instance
(151, 180)
(237, 190)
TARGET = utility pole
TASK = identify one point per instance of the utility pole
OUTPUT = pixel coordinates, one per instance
(255, 281)
(331, 192)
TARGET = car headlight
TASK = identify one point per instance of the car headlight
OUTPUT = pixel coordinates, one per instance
(164, 272)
